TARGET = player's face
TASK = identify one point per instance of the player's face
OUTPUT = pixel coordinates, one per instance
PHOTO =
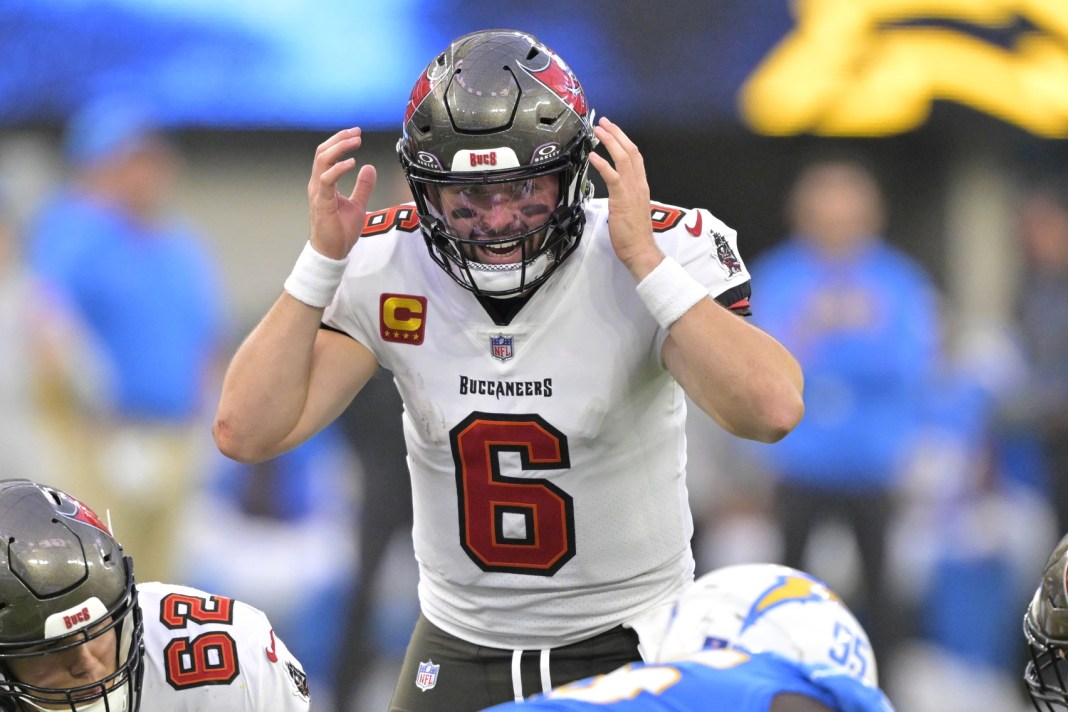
(81, 665)
(489, 213)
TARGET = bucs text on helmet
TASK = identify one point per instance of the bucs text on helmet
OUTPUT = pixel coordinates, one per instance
(769, 608)
(63, 583)
(1045, 627)
(495, 146)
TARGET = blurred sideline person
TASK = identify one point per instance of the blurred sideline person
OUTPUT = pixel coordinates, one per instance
(550, 505)
(744, 638)
(1040, 406)
(147, 288)
(1046, 632)
(862, 319)
(48, 364)
(76, 632)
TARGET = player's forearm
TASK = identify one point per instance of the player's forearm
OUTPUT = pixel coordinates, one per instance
(266, 384)
(746, 380)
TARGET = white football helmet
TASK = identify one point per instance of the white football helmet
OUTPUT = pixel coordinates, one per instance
(769, 608)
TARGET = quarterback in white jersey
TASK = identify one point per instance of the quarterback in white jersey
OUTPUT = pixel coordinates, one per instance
(547, 453)
(543, 343)
(77, 634)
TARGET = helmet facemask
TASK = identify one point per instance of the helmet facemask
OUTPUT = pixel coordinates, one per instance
(1046, 674)
(71, 630)
(115, 692)
(1045, 627)
(501, 235)
(498, 115)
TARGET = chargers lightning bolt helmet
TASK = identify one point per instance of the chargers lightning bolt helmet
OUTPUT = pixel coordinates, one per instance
(498, 112)
(64, 582)
(763, 608)
(1045, 627)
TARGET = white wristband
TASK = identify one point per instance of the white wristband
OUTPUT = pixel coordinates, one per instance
(669, 292)
(315, 277)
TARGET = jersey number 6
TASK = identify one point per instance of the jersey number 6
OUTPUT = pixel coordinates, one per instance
(513, 525)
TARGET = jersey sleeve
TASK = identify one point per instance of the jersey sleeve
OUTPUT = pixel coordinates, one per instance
(708, 249)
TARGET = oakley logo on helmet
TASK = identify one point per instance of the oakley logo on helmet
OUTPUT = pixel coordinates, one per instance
(429, 160)
(545, 152)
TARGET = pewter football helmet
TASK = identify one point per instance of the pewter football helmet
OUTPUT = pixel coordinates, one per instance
(1045, 627)
(497, 111)
(761, 608)
(63, 582)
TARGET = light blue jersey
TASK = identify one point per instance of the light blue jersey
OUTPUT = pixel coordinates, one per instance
(710, 680)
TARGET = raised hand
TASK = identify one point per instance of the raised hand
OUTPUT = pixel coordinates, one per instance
(629, 219)
(336, 219)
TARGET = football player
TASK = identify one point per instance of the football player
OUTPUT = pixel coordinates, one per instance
(542, 342)
(1046, 631)
(77, 634)
(745, 638)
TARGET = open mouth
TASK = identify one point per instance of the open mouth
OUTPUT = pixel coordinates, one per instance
(500, 252)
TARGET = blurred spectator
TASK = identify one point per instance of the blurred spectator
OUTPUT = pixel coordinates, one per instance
(861, 317)
(47, 365)
(147, 289)
(1041, 405)
(968, 541)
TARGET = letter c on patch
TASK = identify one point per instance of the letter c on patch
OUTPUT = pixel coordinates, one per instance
(403, 318)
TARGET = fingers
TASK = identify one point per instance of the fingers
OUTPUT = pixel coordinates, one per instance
(365, 185)
(625, 154)
(328, 166)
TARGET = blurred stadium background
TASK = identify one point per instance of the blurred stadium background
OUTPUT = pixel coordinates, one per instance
(955, 102)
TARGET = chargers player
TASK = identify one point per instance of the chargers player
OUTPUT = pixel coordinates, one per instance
(746, 638)
(543, 342)
(77, 634)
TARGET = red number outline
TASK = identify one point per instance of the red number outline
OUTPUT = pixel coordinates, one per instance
(484, 495)
(176, 610)
(664, 218)
(174, 617)
(202, 672)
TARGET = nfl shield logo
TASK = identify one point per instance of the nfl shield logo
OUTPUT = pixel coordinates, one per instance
(427, 676)
(501, 347)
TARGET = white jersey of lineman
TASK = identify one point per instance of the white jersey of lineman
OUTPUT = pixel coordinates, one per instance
(205, 652)
(547, 456)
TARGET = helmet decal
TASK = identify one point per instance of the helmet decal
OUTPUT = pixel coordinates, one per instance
(788, 589)
(426, 83)
(558, 76)
(78, 616)
(84, 514)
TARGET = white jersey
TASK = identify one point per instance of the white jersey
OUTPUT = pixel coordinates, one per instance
(205, 652)
(547, 456)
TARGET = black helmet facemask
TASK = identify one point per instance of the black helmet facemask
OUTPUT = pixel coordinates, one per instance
(64, 582)
(498, 108)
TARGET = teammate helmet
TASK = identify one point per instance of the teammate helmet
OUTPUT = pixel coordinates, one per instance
(499, 112)
(769, 608)
(63, 582)
(1045, 627)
